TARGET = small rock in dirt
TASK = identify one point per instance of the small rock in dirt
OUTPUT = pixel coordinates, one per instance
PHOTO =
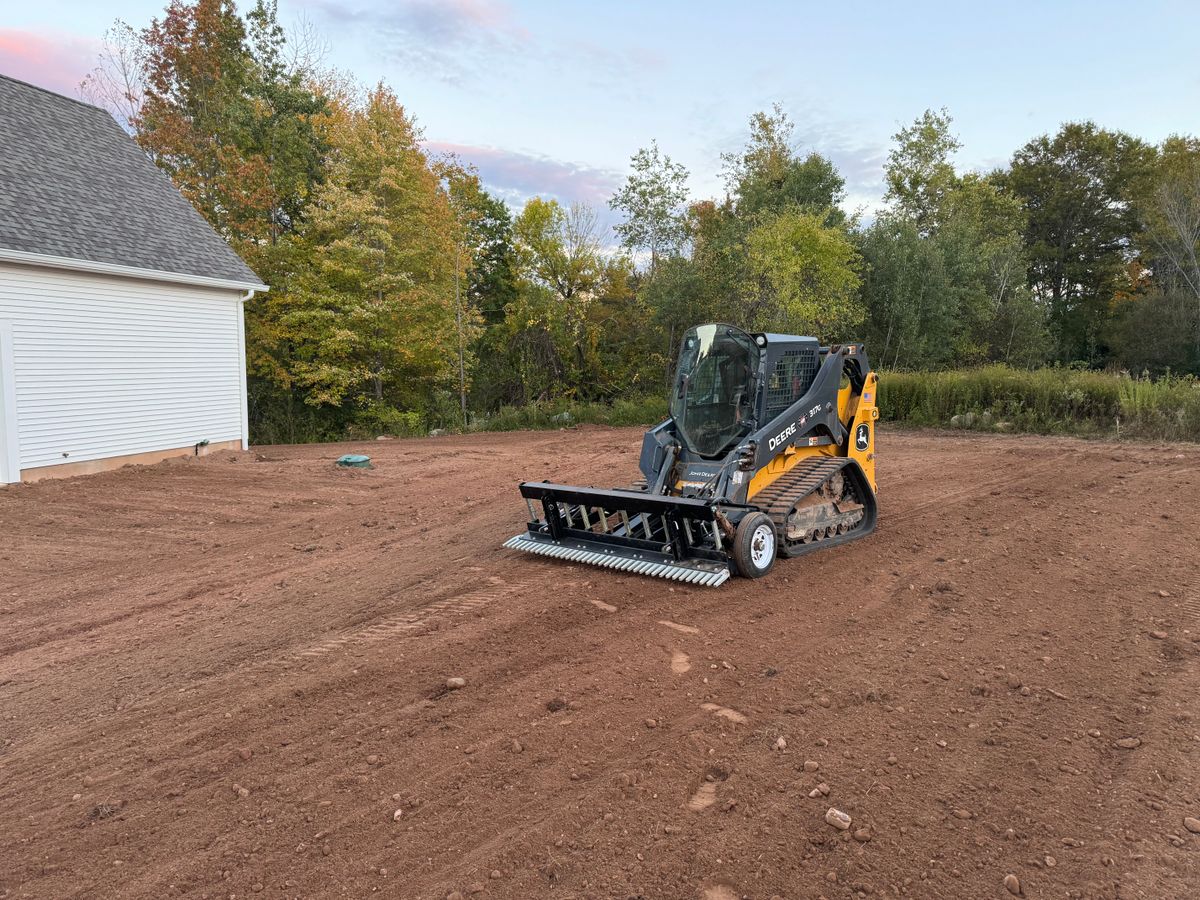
(1164, 593)
(1192, 824)
(651, 723)
(373, 759)
(556, 705)
(891, 760)
(1128, 743)
(398, 815)
(1013, 884)
(495, 873)
(962, 814)
(1051, 862)
(1094, 732)
(243, 792)
(862, 835)
(811, 765)
(942, 744)
(517, 746)
(455, 683)
(943, 675)
(837, 819)
(1159, 635)
(1013, 681)
(780, 743)
(454, 895)
(245, 753)
(823, 788)
(823, 702)
(814, 793)
(257, 887)
(477, 888)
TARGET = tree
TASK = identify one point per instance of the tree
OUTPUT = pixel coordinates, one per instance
(368, 318)
(652, 199)
(118, 82)
(560, 272)
(919, 173)
(1077, 189)
(801, 276)
(1171, 215)
(225, 117)
(768, 176)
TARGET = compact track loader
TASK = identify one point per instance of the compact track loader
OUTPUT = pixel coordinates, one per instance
(769, 451)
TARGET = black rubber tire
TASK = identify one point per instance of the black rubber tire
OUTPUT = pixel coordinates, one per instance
(748, 533)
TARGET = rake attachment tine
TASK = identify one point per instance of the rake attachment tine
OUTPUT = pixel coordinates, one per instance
(625, 522)
(587, 526)
(566, 508)
(615, 559)
(603, 519)
(646, 527)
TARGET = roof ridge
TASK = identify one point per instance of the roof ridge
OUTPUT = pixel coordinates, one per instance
(44, 90)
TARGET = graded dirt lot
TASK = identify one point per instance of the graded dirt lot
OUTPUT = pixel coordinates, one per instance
(227, 677)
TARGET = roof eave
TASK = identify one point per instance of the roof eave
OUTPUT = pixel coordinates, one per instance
(102, 268)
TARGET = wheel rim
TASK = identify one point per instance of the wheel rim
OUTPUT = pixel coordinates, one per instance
(762, 546)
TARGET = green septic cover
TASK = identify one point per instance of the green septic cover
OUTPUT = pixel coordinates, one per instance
(355, 460)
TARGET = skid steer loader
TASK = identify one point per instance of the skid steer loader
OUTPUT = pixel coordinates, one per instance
(769, 451)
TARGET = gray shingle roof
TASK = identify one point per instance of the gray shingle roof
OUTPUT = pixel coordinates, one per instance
(74, 184)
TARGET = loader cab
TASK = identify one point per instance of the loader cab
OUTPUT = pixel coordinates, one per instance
(714, 396)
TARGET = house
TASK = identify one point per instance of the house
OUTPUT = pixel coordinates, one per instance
(121, 327)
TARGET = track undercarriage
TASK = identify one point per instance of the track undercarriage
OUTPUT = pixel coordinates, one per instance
(818, 504)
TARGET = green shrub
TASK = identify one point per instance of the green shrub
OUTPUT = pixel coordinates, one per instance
(1047, 401)
(643, 411)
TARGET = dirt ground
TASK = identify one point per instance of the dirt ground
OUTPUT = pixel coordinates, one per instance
(227, 677)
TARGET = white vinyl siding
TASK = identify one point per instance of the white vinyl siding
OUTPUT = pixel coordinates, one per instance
(107, 366)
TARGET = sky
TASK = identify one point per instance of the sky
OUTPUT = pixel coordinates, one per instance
(552, 98)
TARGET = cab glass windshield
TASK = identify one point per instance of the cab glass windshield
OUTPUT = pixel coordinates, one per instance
(713, 399)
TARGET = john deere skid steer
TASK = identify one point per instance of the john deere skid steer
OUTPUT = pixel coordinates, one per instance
(769, 451)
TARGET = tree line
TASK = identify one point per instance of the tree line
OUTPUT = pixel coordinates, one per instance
(405, 296)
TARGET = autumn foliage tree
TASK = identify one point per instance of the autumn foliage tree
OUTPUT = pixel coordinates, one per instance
(365, 321)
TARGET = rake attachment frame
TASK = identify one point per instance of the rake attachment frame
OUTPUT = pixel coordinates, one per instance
(635, 531)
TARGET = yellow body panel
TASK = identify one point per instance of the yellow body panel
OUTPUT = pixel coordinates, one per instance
(853, 410)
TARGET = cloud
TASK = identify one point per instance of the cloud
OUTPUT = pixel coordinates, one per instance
(517, 176)
(52, 60)
(445, 39)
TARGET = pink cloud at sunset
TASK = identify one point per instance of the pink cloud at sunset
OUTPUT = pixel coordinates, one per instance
(55, 61)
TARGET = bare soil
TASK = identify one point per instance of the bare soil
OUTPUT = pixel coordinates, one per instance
(228, 676)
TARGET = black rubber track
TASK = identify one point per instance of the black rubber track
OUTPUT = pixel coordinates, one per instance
(778, 500)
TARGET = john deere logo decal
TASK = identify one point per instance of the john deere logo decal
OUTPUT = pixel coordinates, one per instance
(862, 436)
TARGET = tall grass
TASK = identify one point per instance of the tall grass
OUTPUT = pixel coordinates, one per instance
(1047, 401)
